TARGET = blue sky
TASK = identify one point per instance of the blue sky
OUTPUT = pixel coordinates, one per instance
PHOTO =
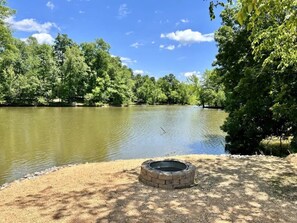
(154, 37)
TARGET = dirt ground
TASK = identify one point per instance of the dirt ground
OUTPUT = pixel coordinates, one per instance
(228, 189)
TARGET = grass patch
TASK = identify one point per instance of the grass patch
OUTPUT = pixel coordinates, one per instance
(276, 147)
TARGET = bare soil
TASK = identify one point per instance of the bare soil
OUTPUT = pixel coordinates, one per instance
(228, 189)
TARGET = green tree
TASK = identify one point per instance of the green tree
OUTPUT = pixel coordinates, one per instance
(169, 85)
(97, 58)
(20, 80)
(108, 80)
(195, 89)
(273, 27)
(6, 40)
(46, 70)
(101, 93)
(212, 90)
(122, 84)
(158, 96)
(146, 90)
(62, 41)
(6, 46)
(74, 70)
(245, 96)
(256, 72)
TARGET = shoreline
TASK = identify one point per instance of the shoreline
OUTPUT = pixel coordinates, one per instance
(292, 159)
(35, 174)
(81, 105)
(228, 188)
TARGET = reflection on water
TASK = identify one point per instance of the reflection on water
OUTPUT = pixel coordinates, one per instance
(33, 139)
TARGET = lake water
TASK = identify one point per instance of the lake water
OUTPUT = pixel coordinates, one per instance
(33, 139)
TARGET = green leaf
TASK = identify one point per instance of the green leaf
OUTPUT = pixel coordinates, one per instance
(250, 8)
(239, 18)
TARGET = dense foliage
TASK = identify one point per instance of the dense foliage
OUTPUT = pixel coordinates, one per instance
(257, 60)
(67, 72)
(39, 74)
(212, 90)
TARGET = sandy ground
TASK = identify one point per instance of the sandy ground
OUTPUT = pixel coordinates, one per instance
(228, 189)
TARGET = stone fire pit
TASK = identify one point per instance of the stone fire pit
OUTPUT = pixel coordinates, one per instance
(167, 174)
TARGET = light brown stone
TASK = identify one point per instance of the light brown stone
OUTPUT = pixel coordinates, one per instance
(146, 177)
(158, 181)
(153, 174)
(165, 176)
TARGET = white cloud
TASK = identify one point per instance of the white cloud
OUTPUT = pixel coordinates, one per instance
(81, 12)
(123, 11)
(153, 42)
(50, 5)
(136, 45)
(30, 25)
(188, 36)
(169, 47)
(191, 73)
(42, 38)
(182, 21)
(127, 61)
(129, 33)
(141, 72)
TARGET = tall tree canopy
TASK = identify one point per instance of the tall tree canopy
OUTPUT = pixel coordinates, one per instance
(5, 33)
(212, 90)
(257, 60)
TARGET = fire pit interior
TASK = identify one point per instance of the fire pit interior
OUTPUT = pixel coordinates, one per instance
(167, 174)
(170, 166)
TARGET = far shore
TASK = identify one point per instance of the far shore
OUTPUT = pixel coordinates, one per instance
(82, 105)
(227, 189)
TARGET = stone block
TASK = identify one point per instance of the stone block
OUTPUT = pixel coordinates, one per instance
(153, 174)
(176, 182)
(146, 177)
(166, 186)
(178, 175)
(158, 181)
(185, 181)
(165, 176)
(169, 182)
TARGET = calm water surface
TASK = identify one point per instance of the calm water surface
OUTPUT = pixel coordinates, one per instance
(33, 139)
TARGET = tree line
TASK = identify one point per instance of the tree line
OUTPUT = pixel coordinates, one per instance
(67, 72)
